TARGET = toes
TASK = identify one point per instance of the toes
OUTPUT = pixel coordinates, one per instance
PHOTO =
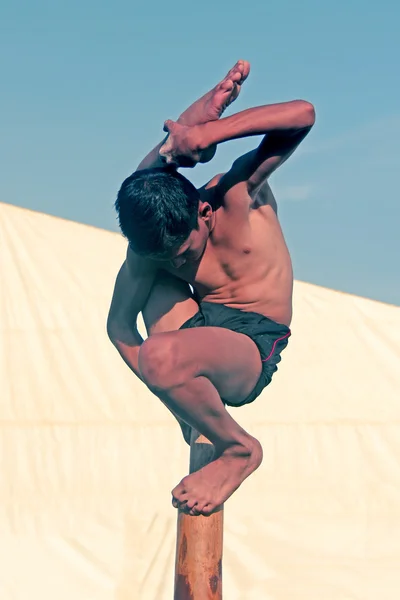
(236, 76)
(227, 85)
(240, 71)
(179, 496)
(236, 67)
(194, 512)
(207, 510)
(183, 507)
(194, 508)
(181, 504)
(246, 69)
(188, 506)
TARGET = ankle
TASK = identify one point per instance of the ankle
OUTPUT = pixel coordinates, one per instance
(244, 447)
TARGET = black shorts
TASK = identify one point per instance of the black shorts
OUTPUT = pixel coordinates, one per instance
(270, 337)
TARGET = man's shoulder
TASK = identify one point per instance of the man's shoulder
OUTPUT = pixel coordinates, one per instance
(211, 184)
(209, 192)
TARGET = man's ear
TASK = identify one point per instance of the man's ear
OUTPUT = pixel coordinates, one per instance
(205, 211)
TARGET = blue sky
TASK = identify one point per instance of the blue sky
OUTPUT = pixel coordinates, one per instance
(86, 88)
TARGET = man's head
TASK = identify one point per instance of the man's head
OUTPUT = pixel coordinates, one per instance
(162, 216)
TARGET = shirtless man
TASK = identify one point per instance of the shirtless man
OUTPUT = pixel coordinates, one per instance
(219, 346)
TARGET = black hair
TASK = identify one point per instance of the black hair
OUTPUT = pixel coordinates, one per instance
(157, 210)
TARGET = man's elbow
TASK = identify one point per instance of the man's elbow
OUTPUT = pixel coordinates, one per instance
(122, 330)
(113, 328)
(306, 114)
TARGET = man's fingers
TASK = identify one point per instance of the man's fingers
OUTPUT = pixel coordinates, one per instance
(166, 155)
(166, 147)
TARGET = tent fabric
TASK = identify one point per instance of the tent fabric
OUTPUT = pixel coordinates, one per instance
(88, 456)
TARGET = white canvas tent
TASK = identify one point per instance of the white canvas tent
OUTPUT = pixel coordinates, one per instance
(88, 456)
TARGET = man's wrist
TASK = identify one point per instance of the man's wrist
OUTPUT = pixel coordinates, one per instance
(195, 138)
(201, 138)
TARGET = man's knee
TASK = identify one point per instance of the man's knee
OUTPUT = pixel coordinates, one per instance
(159, 362)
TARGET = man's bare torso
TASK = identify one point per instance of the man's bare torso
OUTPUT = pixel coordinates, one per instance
(246, 263)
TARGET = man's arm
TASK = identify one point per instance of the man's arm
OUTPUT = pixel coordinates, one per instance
(132, 288)
(284, 126)
(153, 158)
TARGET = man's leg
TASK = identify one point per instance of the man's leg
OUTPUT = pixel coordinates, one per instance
(169, 305)
(190, 370)
(211, 106)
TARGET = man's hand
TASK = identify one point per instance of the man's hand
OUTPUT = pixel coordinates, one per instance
(182, 146)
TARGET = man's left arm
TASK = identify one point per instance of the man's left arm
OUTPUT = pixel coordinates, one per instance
(284, 126)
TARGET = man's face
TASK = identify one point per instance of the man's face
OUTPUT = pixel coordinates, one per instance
(192, 248)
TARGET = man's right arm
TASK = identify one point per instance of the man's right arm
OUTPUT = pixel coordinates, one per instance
(132, 288)
(153, 158)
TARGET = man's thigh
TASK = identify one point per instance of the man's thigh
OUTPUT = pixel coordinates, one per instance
(230, 360)
(169, 305)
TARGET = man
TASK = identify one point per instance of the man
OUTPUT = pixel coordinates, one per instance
(219, 346)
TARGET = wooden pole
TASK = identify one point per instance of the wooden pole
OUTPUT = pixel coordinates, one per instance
(198, 564)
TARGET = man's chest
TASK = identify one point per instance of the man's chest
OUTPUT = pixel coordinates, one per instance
(227, 258)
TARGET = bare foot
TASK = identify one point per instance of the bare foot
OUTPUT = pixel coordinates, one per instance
(211, 106)
(202, 492)
(176, 148)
